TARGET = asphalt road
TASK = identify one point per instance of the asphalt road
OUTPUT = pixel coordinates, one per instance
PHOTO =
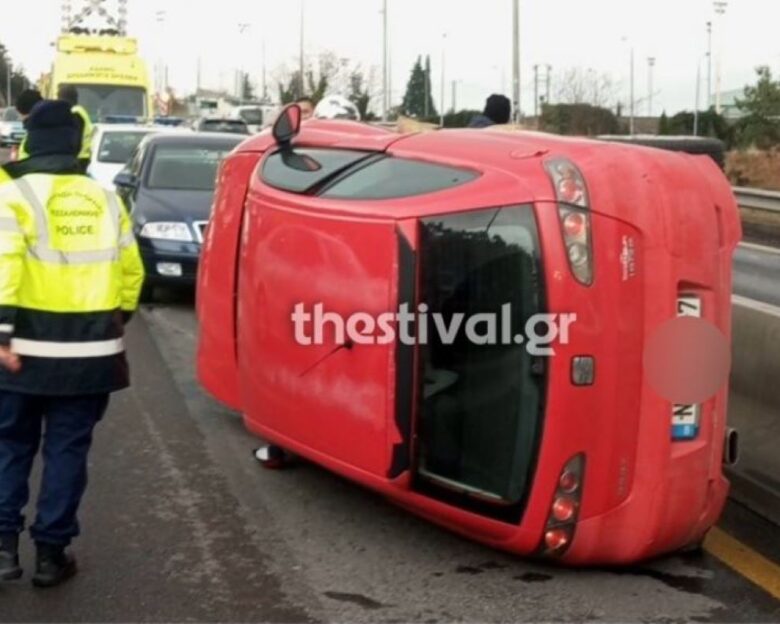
(757, 273)
(180, 524)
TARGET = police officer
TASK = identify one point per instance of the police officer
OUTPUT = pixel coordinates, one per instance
(24, 104)
(70, 277)
(70, 94)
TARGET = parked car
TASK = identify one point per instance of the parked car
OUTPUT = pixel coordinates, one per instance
(168, 186)
(251, 115)
(222, 125)
(11, 128)
(112, 148)
(570, 456)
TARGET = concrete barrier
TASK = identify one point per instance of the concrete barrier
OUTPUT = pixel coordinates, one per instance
(754, 406)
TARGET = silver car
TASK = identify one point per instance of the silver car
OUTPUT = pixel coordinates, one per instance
(11, 127)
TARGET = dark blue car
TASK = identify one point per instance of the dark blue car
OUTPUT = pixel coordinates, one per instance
(168, 186)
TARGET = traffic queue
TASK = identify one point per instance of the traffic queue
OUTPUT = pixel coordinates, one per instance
(554, 445)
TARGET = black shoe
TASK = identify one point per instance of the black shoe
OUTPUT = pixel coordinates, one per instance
(53, 566)
(9, 557)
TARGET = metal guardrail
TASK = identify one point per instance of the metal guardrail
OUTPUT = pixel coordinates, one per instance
(758, 199)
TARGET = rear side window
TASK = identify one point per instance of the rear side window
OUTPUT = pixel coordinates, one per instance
(304, 170)
(391, 178)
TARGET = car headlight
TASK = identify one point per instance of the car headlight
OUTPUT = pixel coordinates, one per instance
(172, 231)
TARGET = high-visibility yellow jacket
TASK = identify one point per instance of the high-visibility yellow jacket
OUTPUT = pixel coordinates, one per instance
(88, 131)
(69, 269)
(21, 152)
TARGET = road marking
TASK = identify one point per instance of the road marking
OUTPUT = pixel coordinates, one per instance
(743, 559)
(760, 248)
(753, 304)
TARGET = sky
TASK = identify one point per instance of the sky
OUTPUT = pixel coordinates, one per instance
(474, 37)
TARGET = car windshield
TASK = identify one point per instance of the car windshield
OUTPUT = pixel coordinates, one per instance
(187, 167)
(102, 101)
(233, 126)
(118, 146)
(10, 114)
(252, 116)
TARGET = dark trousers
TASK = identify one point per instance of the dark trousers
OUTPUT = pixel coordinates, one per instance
(66, 424)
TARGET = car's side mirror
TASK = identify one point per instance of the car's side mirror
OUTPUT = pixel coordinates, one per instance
(125, 180)
(287, 125)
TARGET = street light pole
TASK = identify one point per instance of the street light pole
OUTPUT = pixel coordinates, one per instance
(516, 59)
(8, 70)
(720, 10)
(302, 68)
(385, 73)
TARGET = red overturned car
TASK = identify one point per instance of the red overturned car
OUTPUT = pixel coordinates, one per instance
(570, 456)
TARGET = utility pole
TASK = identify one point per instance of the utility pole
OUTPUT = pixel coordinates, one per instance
(709, 64)
(516, 60)
(536, 91)
(632, 107)
(720, 10)
(385, 72)
(548, 85)
(8, 71)
(650, 65)
(454, 96)
(696, 108)
(265, 83)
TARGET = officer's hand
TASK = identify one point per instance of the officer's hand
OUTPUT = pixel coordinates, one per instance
(10, 360)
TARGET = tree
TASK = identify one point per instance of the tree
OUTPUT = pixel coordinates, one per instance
(586, 86)
(760, 127)
(663, 124)
(418, 100)
(247, 90)
(578, 119)
(359, 94)
(19, 82)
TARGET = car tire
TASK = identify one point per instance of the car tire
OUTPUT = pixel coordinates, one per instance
(714, 148)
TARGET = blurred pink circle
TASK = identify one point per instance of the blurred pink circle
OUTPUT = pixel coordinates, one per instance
(687, 360)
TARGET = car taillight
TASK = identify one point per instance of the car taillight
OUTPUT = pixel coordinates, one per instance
(564, 510)
(571, 192)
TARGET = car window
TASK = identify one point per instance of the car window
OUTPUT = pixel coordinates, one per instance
(224, 125)
(397, 177)
(252, 116)
(186, 167)
(305, 169)
(10, 114)
(118, 147)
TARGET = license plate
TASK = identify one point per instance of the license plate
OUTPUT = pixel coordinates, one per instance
(685, 418)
